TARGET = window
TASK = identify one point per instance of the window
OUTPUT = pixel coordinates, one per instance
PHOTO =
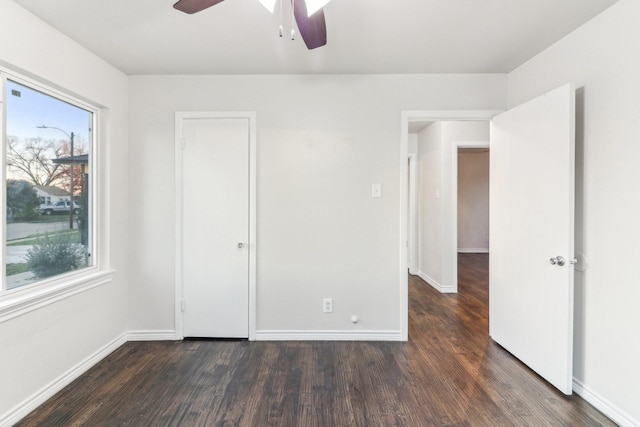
(48, 216)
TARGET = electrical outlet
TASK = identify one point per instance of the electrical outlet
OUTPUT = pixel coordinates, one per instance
(327, 305)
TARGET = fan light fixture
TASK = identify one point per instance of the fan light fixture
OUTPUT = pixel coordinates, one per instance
(269, 4)
(307, 15)
(312, 5)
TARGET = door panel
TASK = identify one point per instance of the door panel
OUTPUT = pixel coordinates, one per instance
(215, 221)
(532, 216)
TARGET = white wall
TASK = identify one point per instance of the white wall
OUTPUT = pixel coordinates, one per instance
(40, 347)
(412, 143)
(430, 173)
(412, 198)
(601, 58)
(322, 142)
(473, 201)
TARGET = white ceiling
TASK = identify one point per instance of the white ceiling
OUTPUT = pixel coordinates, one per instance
(364, 36)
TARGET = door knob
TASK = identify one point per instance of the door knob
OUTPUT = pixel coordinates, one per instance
(242, 245)
(559, 261)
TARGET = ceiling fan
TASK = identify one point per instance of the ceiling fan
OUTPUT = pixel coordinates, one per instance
(310, 20)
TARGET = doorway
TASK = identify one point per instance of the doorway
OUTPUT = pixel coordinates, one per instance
(409, 119)
(433, 198)
(470, 204)
(532, 201)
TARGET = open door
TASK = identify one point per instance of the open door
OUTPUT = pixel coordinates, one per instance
(532, 234)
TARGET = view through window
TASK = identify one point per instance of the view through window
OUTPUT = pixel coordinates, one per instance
(48, 210)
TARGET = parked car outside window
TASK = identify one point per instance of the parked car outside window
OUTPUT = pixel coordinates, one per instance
(61, 206)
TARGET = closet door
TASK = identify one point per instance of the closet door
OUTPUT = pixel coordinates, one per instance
(215, 227)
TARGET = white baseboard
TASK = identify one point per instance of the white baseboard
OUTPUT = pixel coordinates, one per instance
(604, 406)
(152, 335)
(353, 335)
(473, 250)
(436, 285)
(38, 398)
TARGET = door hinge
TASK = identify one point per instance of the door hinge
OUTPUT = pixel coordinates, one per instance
(183, 142)
(183, 305)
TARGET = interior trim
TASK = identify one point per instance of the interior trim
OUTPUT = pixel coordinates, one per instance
(27, 300)
(328, 335)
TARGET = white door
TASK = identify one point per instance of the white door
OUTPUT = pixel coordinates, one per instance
(531, 234)
(215, 227)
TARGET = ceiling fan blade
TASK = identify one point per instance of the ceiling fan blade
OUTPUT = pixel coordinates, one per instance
(313, 29)
(193, 6)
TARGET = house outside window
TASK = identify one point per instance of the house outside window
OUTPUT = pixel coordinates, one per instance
(50, 194)
(49, 142)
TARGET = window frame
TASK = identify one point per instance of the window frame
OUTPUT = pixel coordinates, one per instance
(20, 300)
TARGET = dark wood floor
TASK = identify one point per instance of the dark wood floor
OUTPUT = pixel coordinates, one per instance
(449, 374)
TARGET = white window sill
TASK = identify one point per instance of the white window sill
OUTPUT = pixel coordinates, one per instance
(14, 304)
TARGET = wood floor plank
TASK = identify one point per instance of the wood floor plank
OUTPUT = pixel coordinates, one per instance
(450, 373)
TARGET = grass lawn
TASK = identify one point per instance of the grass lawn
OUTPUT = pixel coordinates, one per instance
(50, 218)
(35, 238)
(17, 268)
